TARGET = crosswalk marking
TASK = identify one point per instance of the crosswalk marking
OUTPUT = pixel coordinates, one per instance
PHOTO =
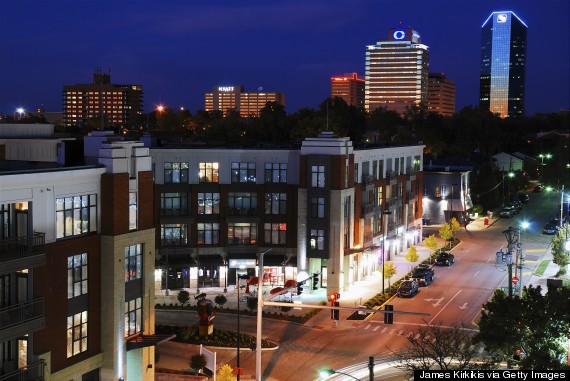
(368, 326)
(384, 330)
(376, 328)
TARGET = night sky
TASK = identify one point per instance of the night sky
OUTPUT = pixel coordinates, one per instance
(178, 50)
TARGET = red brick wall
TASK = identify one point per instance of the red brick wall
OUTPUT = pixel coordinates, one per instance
(145, 201)
(50, 281)
(114, 204)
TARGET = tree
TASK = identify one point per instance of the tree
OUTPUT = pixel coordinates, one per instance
(183, 297)
(225, 373)
(431, 243)
(251, 303)
(220, 300)
(454, 225)
(559, 254)
(412, 255)
(197, 362)
(437, 347)
(535, 324)
(446, 233)
(389, 271)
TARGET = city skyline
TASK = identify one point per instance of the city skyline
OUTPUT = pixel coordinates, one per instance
(179, 52)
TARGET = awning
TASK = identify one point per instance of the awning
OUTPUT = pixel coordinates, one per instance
(274, 260)
(210, 260)
(142, 341)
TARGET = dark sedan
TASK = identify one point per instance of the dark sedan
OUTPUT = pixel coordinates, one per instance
(444, 259)
(408, 288)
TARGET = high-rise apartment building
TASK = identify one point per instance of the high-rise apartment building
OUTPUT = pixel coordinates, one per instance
(441, 94)
(503, 64)
(102, 104)
(226, 98)
(350, 88)
(397, 72)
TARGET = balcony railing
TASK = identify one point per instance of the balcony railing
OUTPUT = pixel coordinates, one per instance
(175, 212)
(22, 246)
(367, 209)
(368, 179)
(21, 313)
(242, 212)
(31, 372)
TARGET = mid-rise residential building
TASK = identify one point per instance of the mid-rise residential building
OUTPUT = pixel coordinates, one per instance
(326, 208)
(441, 94)
(447, 194)
(503, 64)
(101, 104)
(234, 98)
(397, 72)
(77, 270)
(350, 88)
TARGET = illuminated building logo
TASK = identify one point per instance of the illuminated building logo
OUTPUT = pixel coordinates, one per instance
(226, 89)
(502, 17)
(399, 35)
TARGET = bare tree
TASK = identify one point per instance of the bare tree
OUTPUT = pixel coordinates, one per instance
(434, 346)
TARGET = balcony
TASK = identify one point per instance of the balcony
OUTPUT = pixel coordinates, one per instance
(367, 209)
(21, 319)
(22, 252)
(31, 372)
(175, 212)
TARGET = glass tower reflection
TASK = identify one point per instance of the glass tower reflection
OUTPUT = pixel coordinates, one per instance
(503, 64)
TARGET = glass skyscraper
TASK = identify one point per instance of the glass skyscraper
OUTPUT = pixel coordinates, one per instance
(503, 64)
(397, 71)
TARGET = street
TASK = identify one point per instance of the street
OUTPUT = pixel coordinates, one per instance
(454, 298)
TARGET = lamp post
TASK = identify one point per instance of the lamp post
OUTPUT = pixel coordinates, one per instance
(385, 229)
(259, 315)
(542, 157)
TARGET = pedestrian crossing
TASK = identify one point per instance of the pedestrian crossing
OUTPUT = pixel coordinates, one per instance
(382, 329)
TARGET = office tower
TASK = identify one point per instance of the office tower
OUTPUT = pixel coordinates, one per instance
(226, 98)
(397, 72)
(102, 104)
(503, 64)
(441, 94)
(350, 88)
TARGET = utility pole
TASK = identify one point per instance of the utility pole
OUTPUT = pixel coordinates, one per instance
(510, 235)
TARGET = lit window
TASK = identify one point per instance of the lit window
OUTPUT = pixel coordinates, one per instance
(76, 334)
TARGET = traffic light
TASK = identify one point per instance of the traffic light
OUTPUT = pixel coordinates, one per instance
(333, 297)
(315, 281)
(300, 288)
(334, 312)
(388, 318)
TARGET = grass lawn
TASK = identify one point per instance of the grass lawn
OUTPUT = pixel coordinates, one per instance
(541, 267)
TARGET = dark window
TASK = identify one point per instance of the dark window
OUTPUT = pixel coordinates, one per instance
(276, 203)
(275, 172)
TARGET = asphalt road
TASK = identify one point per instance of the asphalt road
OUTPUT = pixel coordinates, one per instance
(454, 298)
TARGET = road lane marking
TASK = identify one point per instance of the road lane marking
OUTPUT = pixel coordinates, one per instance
(477, 273)
(535, 251)
(368, 326)
(376, 328)
(384, 330)
(446, 304)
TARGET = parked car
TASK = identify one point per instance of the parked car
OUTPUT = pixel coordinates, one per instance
(537, 188)
(524, 198)
(517, 204)
(408, 288)
(445, 259)
(551, 227)
(423, 274)
(507, 212)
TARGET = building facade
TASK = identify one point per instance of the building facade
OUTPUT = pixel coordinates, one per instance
(77, 270)
(447, 194)
(318, 208)
(503, 64)
(441, 94)
(102, 104)
(248, 104)
(397, 72)
(350, 88)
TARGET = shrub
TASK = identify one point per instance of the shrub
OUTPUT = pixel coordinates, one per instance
(197, 362)
(251, 303)
(220, 300)
(183, 297)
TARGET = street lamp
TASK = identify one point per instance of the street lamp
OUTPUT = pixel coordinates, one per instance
(542, 157)
(330, 372)
(385, 229)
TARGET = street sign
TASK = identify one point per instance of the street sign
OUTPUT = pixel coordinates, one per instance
(515, 280)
